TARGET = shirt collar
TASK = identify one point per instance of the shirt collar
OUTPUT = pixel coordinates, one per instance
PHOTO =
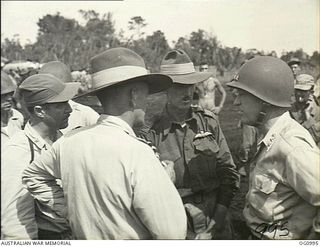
(116, 122)
(73, 105)
(274, 131)
(170, 123)
(14, 114)
(36, 138)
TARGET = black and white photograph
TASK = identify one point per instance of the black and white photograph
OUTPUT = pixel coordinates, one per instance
(160, 120)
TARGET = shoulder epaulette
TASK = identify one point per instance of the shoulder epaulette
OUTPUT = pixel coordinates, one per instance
(205, 112)
(210, 114)
(197, 108)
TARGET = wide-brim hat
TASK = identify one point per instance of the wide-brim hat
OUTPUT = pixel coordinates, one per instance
(304, 82)
(179, 67)
(294, 61)
(121, 65)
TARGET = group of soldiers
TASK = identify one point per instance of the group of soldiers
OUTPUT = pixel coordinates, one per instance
(72, 174)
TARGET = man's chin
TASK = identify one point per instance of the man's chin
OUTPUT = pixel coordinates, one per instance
(64, 125)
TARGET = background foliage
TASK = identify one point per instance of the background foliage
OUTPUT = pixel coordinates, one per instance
(64, 39)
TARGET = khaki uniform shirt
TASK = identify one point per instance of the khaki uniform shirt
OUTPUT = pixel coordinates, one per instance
(15, 124)
(20, 218)
(283, 200)
(198, 148)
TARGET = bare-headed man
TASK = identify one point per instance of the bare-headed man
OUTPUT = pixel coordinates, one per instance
(207, 92)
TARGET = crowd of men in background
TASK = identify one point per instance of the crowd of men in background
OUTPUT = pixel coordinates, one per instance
(69, 173)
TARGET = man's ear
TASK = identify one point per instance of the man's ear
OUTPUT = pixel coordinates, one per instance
(39, 111)
(133, 97)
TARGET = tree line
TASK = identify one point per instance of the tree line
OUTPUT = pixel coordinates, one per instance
(65, 39)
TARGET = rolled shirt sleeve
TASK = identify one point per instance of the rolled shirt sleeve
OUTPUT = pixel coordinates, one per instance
(40, 179)
(17, 205)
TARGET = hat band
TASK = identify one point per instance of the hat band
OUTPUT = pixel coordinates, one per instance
(116, 74)
(177, 69)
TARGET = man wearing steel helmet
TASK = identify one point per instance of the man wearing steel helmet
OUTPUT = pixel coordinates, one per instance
(284, 194)
(301, 110)
(191, 144)
(11, 119)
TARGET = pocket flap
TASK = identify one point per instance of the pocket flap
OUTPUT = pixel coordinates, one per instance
(265, 183)
(206, 145)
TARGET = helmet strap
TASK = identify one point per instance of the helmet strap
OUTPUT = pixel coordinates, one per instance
(262, 115)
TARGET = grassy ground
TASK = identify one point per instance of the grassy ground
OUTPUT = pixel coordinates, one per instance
(229, 119)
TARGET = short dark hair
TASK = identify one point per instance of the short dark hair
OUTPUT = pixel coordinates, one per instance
(203, 63)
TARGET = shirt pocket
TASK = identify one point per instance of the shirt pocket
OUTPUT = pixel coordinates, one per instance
(263, 196)
(265, 184)
(206, 145)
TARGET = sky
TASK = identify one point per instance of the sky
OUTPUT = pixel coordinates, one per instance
(280, 25)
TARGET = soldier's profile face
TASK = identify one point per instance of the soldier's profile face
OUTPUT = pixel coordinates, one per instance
(181, 95)
(250, 106)
(57, 115)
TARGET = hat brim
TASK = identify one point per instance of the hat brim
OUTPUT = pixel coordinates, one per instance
(303, 87)
(191, 78)
(294, 62)
(156, 83)
(242, 86)
(67, 94)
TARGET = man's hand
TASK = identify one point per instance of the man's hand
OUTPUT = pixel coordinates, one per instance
(216, 110)
(207, 234)
(169, 168)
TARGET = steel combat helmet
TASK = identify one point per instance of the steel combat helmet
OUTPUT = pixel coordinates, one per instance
(268, 78)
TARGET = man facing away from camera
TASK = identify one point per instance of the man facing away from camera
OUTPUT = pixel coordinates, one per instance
(113, 184)
(22, 217)
(283, 200)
